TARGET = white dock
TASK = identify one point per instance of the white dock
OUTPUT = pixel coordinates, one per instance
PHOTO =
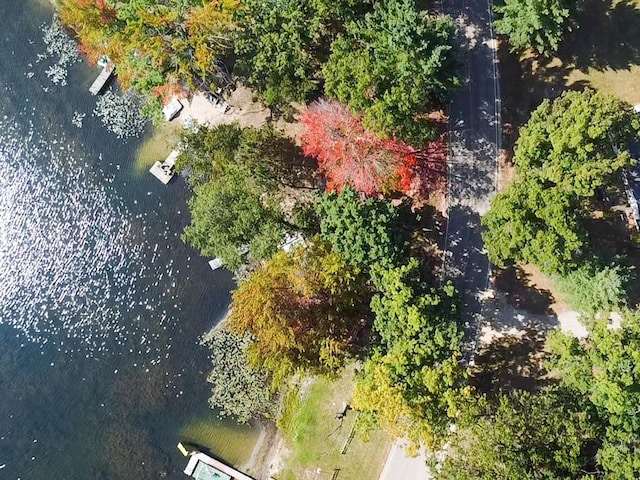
(164, 171)
(102, 79)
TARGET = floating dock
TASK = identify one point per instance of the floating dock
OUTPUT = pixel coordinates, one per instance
(102, 79)
(203, 467)
(164, 171)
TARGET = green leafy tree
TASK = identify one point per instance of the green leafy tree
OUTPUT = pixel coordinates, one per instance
(537, 24)
(231, 213)
(393, 65)
(303, 310)
(363, 230)
(569, 148)
(412, 386)
(578, 141)
(591, 290)
(272, 159)
(529, 435)
(605, 369)
(282, 45)
(238, 177)
(238, 390)
(531, 223)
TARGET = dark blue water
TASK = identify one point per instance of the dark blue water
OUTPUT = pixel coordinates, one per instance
(101, 305)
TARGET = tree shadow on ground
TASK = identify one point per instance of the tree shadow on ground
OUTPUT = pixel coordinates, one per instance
(425, 229)
(540, 78)
(608, 36)
(514, 282)
(513, 362)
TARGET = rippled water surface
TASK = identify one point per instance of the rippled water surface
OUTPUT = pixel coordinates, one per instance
(101, 305)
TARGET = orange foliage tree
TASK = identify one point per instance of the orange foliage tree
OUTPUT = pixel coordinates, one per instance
(350, 155)
(302, 309)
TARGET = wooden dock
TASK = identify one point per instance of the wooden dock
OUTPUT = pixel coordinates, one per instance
(102, 79)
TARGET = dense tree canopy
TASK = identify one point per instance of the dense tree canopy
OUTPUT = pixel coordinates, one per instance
(282, 44)
(529, 435)
(155, 44)
(569, 148)
(231, 214)
(412, 385)
(238, 177)
(238, 390)
(537, 24)
(350, 155)
(270, 158)
(363, 231)
(303, 310)
(531, 223)
(578, 141)
(605, 369)
(393, 65)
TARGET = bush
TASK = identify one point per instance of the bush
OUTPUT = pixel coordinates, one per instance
(591, 290)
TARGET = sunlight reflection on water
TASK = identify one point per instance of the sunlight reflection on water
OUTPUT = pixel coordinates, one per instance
(71, 256)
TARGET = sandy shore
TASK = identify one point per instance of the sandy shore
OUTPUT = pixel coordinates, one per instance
(267, 458)
(243, 108)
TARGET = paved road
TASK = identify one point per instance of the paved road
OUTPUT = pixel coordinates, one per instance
(401, 467)
(474, 124)
(475, 129)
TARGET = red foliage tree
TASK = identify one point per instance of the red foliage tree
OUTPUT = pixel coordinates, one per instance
(348, 154)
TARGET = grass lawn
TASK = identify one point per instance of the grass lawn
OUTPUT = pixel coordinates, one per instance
(605, 50)
(602, 53)
(316, 437)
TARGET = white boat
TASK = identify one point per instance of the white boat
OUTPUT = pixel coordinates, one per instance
(171, 109)
(204, 467)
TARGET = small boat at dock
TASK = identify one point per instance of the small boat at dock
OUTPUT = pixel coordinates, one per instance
(204, 467)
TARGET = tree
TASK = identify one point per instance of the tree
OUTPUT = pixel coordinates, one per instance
(238, 177)
(231, 213)
(393, 65)
(537, 24)
(579, 141)
(350, 155)
(302, 309)
(605, 369)
(272, 159)
(238, 390)
(533, 223)
(412, 386)
(363, 231)
(569, 148)
(155, 43)
(590, 289)
(543, 435)
(283, 44)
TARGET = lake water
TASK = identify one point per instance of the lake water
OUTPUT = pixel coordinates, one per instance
(101, 305)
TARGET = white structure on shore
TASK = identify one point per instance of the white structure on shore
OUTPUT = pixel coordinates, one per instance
(171, 109)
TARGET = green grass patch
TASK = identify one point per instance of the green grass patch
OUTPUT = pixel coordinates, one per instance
(316, 437)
